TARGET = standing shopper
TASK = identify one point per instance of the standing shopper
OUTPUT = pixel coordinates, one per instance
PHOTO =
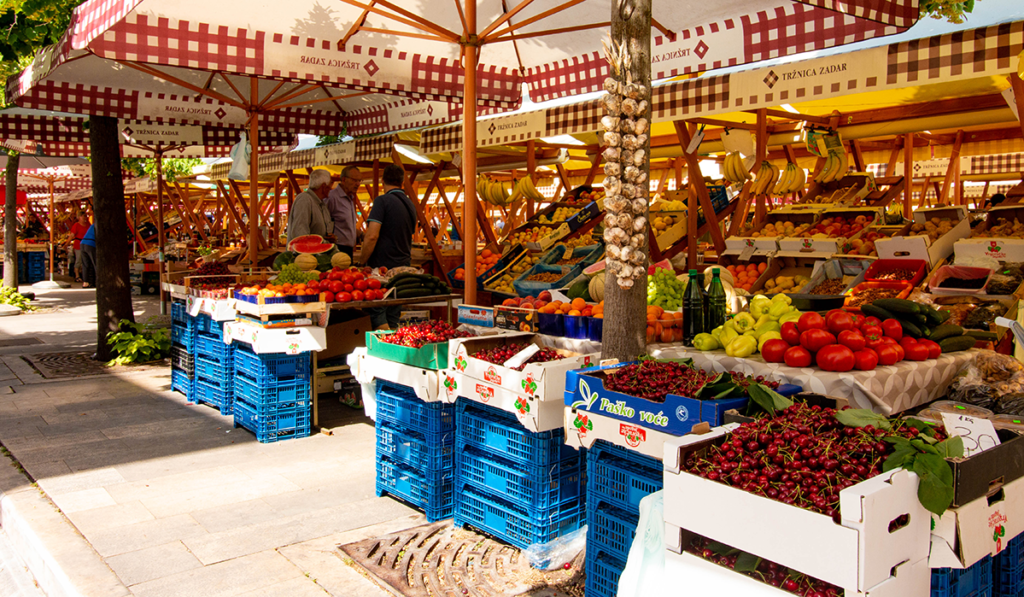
(309, 213)
(89, 258)
(342, 204)
(388, 239)
(78, 230)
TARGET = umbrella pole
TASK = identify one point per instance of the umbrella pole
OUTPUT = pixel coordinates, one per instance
(52, 252)
(254, 170)
(160, 227)
(469, 153)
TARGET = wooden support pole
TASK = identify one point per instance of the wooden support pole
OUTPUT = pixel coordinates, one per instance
(908, 172)
(531, 170)
(954, 165)
(890, 167)
(858, 156)
(699, 190)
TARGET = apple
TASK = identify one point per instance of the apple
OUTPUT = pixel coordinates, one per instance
(545, 295)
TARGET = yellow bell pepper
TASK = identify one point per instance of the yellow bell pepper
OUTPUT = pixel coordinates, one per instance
(706, 342)
(759, 307)
(793, 316)
(717, 333)
(741, 347)
(766, 337)
(779, 309)
(771, 326)
(744, 322)
(782, 298)
(727, 336)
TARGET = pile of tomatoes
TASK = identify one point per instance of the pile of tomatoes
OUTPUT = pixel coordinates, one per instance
(345, 285)
(842, 341)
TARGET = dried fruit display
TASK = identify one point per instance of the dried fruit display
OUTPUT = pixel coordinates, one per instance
(499, 354)
(933, 228)
(1002, 229)
(421, 334)
(546, 277)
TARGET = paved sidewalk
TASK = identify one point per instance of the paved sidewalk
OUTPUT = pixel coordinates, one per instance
(171, 498)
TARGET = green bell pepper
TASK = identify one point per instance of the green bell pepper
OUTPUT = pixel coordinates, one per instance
(706, 342)
(741, 347)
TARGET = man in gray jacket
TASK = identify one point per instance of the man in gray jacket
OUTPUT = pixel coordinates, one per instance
(309, 213)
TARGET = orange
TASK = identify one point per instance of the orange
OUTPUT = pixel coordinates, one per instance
(752, 268)
(599, 315)
(578, 304)
(574, 313)
(761, 267)
(657, 328)
(486, 253)
(667, 336)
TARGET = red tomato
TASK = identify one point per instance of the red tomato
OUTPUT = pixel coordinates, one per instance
(348, 287)
(313, 285)
(917, 352)
(790, 333)
(323, 275)
(329, 296)
(797, 356)
(358, 296)
(343, 297)
(835, 358)
(900, 350)
(934, 350)
(852, 339)
(816, 339)
(858, 320)
(892, 328)
(810, 321)
(871, 321)
(374, 283)
(888, 354)
(361, 284)
(774, 351)
(872, 336)
(866, 359)
(906, 342)
(335, 286)
(334, 275)
(372, 294)
(839, 321)
(346, 278)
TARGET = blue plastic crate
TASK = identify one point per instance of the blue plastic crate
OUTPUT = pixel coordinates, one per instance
(610, 529)
(181, 359)
(399, 404)
(603, 572)
(1008, 569)
(217, 372)
(214, 395)
(268, 398)
(426, 453)
(513, 524)
(271, 368)
(433, 493)
(973, 581)
(281, 425)
(183, 383)
(179, 312)
(214, 348)
(207, 325)
(499, 432)
(184, 336)
(526, 485)
(622, 477)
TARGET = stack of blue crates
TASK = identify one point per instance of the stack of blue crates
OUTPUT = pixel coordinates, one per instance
(520, 486)
(31, 267)
(1008, 570)
(272, 394)
(183, 342)
(617, 480)
(214, 365)
(973, 581)
(415, 450)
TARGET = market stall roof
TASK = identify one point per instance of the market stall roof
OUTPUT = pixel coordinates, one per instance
(316, 67)
(67, 134)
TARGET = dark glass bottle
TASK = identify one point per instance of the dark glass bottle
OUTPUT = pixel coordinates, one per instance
(693, 309)
(716, 302)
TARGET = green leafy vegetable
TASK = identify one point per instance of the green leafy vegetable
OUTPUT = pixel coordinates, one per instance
(861, 417)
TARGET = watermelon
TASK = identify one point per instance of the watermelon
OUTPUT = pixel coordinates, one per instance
(311, 244)
(282, 260)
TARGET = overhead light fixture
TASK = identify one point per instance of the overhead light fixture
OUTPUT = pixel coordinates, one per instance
(790, 109)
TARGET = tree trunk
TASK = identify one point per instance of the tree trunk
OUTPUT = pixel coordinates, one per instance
(113, 288)
(625, 334)
(11, 222)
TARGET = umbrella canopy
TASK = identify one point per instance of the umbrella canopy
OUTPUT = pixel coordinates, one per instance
(317, 68)
(41, 162)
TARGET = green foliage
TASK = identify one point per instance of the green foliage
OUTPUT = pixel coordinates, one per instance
(27, 26)
(139, 343)
(10, 296)
(951, 10)
(330, 139)
(174, 168)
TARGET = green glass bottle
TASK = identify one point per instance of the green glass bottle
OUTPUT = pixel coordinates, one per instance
(693, 309)
(716, 302)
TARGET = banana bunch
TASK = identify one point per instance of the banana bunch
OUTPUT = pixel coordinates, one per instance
(792, 180)
(496, 193)
(836, 165)
(734, 169)
(526, 189)
(766, 178)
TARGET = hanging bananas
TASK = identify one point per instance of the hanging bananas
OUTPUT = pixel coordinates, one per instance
(502, 194)
(767, 177)
(836, 165)
(791, 181)
(733, 168)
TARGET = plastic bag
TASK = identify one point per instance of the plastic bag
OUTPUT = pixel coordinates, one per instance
(240, 153)
(990, 380)
(555, 554)
(1010, 404)
(1006, 279)
(985, 262)
(645, 568)
(981, 317)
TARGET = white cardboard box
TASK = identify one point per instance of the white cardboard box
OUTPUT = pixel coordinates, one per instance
(594, 426)
(276, 340)
(857, 554)
(427, 383)
(921, 247)
(534, 415)
(964, 535)
(1001, 249)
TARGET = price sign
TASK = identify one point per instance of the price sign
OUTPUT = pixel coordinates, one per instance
(747, 253)
(977, 434)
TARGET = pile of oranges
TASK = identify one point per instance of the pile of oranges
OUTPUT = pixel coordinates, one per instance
(282, 290)
(576, 307)
(484, 262)
(744, 276)
(663, 326)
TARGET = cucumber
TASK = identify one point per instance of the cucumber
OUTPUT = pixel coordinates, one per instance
(946, 331)
(917, 318)
(943, 315)
(873, 310)
(910, 329)
(898, 305)
(957, 343)
(980, 335)
(414, 292)
(926, 332)
(933, 316)
(407, 276)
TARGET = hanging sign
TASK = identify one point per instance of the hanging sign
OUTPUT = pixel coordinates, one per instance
(334, 154)
(415, 114)
(161, 134)
(510, 129)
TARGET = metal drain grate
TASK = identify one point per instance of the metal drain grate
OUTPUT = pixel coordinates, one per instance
(65, 364)
(438, 560)
(19, 342)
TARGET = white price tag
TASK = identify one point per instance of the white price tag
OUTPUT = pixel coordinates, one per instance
(747, 253)
(977, 434)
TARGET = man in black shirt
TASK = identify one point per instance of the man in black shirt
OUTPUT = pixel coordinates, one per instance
(388, 238)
